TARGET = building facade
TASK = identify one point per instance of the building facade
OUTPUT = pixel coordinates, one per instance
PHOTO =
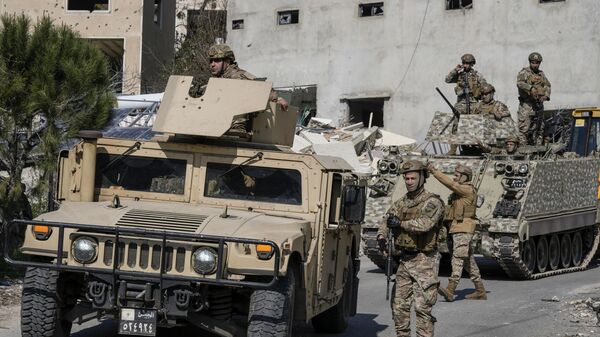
(387, 57)
(138, 36)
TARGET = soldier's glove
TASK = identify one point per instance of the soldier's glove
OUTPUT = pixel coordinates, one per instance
(393, 221)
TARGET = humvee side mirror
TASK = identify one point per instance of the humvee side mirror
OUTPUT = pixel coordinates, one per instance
(354, 199)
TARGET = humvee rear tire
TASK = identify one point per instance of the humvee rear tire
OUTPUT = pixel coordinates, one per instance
(272, 311)
(42, 305)
(335, 319)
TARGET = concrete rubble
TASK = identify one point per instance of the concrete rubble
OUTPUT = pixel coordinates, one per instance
(360, 146)
(10, 291)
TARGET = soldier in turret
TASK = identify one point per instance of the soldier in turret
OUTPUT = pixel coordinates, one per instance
(223, 65)
(511, 147)
(534, 90)
(460, 216)
(469, 83)
(414, 221)
(488, 106)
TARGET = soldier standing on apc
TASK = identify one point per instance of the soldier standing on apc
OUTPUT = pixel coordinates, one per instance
(534, 89)
(468, 87)
(414, 220)
(461, 216)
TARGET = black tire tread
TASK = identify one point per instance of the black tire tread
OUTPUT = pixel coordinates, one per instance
(270, 309)
(40, 305)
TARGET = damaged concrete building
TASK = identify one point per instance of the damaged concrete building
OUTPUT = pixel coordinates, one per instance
(138, 36)
(387, 57)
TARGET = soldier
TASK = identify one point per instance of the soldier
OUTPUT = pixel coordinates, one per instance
(488, 106)
(461, 217)
(468, 87)
(414, 221)
(534, 90)
(223, 65)
(511, 147)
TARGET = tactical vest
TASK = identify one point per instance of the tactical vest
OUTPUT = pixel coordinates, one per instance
(416, 242)
(458, 210)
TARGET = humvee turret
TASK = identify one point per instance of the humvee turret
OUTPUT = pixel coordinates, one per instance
(233, 233)
(537, 210)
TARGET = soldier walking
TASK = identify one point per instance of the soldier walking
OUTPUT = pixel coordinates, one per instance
(414, 221)
(469, 83)
(534, 90)
(461, 216)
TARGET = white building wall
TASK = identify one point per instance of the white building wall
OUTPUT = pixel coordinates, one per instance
(346, 55)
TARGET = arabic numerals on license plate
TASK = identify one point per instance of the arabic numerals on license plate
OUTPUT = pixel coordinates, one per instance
(138, 327)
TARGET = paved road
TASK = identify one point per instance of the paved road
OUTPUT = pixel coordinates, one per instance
(513, 308)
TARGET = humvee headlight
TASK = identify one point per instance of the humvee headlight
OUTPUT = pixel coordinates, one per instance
(523, 169)
(204, 260)
(84, 249)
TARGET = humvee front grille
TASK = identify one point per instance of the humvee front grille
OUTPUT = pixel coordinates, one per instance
(145, 256)
(175, 222)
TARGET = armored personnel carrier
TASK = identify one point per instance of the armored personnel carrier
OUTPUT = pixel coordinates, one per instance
(231, 232)
(537, 210)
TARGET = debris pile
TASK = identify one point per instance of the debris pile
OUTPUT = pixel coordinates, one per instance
(10, 292)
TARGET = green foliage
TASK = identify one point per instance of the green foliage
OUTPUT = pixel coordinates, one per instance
(53, 84)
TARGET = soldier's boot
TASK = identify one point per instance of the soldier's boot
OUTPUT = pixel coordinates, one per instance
(479, 293)
(448, 292)
(452, 151)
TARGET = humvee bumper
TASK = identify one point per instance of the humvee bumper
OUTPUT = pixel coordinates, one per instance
(167, 256)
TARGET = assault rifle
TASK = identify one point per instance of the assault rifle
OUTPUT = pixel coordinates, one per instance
(455, 112)
(538, 108)
(392, 222)
(467, 92)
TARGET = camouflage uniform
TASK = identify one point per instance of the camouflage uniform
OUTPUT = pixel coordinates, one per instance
(460, 215)
(416, 278)
(533, 88)
(501, 122)
(468, 84)
(475, 83)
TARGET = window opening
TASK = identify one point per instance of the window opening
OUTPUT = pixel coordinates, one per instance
(87, 5)
(336, 199)
(361, 110)
(459, 4)
(370, 9)
(157, 12)
(544, 1)
(266, 184)
(145, 174)
(288, 17)
(237, 24)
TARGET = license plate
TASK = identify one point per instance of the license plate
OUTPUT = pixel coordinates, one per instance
(138, 322)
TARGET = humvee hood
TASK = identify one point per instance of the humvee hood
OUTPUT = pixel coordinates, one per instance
(180, 218)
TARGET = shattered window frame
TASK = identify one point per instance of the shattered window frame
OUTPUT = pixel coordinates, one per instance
(237, 24)
(452, 5)
(91, 6)
(288, 17)
(370, 9)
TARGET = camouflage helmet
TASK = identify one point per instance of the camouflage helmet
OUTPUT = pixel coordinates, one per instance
(535, 56)
(468, 58)
(488, 88)
(414, 166)
(513, 139)
(464, 170)
(220, 51)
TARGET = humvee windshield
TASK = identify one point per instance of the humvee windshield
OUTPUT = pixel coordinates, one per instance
(265, 184)
(145, 174)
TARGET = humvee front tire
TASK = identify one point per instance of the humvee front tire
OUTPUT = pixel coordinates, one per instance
(335, 319)
(42, 305)
(272, 311)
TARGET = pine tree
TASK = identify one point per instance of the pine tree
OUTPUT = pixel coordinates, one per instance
(52, 84)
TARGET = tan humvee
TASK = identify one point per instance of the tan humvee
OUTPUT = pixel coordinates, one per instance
(235, 234)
